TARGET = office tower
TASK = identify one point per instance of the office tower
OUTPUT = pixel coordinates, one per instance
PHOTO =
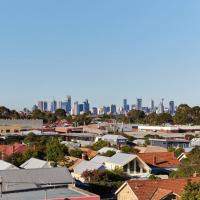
(81, 108)
(94, 111)
(152, 106)
(113, 109)
(35, 107)
(59, 105)
(86, 106)
(76, 108)
(45, 106)
(69, 104)
(171, 107)
(125, 106)
(53, 106)
(41, 105)
(139, 104)
(161, 108)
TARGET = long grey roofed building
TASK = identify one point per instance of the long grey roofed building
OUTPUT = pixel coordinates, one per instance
(33, 179)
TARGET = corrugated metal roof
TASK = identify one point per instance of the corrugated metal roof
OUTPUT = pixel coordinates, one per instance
(87, 165)
(100, 159)
(6, 166)
(113, 137)
(121, 159)
(14, 180)
(34, 163)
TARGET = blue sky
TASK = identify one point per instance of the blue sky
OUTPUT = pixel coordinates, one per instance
(101, 50)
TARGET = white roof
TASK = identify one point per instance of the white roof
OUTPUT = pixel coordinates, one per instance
(100, 159)
(121, 159)
(6, 166)
(87, 166)
(113, 137)
(34, 163)
(106, 149)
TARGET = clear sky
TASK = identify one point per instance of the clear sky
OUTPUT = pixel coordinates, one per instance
(103, 50)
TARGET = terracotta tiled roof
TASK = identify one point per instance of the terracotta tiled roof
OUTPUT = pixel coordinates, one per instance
(12, 149)
(149, 190)
(160, 193)
(89, 152)
(163, 160)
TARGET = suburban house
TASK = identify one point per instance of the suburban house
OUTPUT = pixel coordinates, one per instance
(34, 163)
(131, 164)
(48, 184)
(115, 139)
(8, 150)
(158, 161)
(6, 166)
(85, 166)
(170, 143)
(100, 159)
(170, 189)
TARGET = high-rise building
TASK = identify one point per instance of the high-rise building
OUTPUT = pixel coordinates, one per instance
(81, 108)
(45, 106)
(69, 104)
(76, 108)
(35, 107)
(152, 106)
(113, 109)
(139, 104)
(171, 107)
(161, 108)
(94, 111)
(126, 106)
(86, 106)
(41, 105)
(53, 106)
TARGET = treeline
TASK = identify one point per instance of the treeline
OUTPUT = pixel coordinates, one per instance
(184, 115)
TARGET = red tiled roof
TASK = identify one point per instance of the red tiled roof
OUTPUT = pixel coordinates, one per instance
(163, 159)
(146, 189)
(12, 149)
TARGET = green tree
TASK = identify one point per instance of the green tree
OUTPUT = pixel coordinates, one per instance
(55, 151)
(60, 114)
(109, 153)
(128, 149)
(99, 145)
(30, 139)
(191, 191)
(136, 116)
(77, 153)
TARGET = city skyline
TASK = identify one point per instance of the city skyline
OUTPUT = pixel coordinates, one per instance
(104, 51)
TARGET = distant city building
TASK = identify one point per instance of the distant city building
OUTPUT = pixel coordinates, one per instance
(35, 107)
(81, 108)
(53, 106)
(69, 104)
(171, 107)
(113, 109)
(86, 106)
(41, 105)
(94, 111)
(139, 104)
(152, 106)
(76, 108)
(45, 106)
(125, 105)
(161, 108)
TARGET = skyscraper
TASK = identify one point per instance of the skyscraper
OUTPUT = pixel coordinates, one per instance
(113, 109)
(76, 108)
(161, 108)
(94, 111)
(41, 105)
(139, 104)
(53, 106)
(69, 104)
(171, 107)
(152, 106)
(45, 106)
(86, 106)
(125, 105)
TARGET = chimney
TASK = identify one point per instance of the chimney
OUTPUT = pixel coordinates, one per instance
(154, 160)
